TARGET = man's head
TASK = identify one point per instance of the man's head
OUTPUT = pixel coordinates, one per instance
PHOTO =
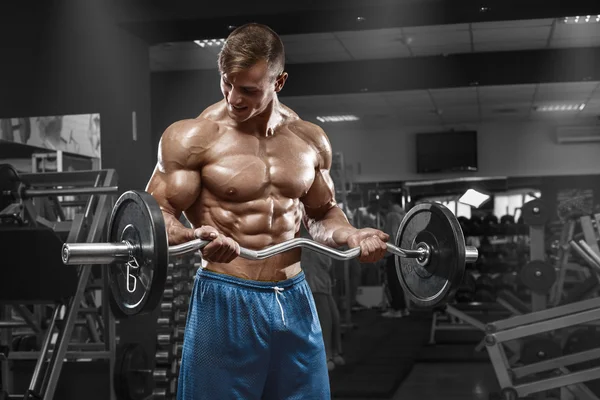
(251, 64)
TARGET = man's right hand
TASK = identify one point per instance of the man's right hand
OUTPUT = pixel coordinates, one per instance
(221, 249)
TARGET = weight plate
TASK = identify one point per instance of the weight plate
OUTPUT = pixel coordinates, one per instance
(133, 374)
(535, 212)
(9, 185)
(137, 218)
(538, 276)
(431, 284)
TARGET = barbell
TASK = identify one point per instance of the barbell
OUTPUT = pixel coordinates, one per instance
(430, 253)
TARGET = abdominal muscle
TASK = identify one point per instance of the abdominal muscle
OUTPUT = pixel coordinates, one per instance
(255, 225)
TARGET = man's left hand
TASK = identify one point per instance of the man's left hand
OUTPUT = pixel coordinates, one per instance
(371, 242)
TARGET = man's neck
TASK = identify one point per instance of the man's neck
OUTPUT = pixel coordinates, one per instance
(265, 123)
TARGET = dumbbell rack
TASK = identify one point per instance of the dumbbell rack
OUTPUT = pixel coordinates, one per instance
(171, 325)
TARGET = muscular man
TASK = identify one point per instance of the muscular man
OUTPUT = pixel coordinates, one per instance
(246, 172)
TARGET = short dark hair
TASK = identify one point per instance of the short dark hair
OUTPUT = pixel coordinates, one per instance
(249, 44)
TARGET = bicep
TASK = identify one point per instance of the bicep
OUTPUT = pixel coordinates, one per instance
(175, 182)
(320, 197)
(175, 190)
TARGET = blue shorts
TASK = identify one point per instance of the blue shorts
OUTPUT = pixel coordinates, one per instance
(249, 340)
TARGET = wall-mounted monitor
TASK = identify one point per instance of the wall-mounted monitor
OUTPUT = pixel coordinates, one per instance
(453, 151)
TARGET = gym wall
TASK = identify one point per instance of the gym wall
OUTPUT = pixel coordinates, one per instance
(68, 57)
(376, 155)
(180, 95)
(504, 149)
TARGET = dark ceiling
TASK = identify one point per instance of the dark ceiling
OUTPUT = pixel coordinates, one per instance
(172, 21)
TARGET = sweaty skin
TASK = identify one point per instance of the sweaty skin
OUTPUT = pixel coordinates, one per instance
(253, 185)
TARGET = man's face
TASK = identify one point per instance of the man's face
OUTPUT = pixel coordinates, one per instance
(249, 92)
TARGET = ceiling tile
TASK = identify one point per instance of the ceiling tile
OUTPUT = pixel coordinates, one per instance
(311, 43)
(508, 93)
(504, 108)
(511, 34)
(504, 115)
(559, 98)
(412, 98)
(372, 35)
(524, 23)
(378, 52)
(510, 45)
(460, 119)
(416, 114)
(593, 104)
(318, 57)
(306, 39)
(419, 120)
(438, 38)
(454, 96)
(553, 116)
(417, 30)
(569, 87)
(374, 44)
(441, 50)
(576, 31)
(575, 42)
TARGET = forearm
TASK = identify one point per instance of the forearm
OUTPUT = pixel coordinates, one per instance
(332, 229)
(177, 233)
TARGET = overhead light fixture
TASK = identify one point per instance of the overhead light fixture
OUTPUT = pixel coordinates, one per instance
(582, 19)
(560, 107)
(474, 198)
(210, 42)
(338, 118)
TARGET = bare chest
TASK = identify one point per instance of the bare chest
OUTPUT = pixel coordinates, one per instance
(249, 168)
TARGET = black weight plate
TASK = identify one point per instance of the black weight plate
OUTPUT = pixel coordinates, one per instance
(9, 184)
(433, 284)
(133, 374)
(535, 212)
(137, 218)
(538, 276)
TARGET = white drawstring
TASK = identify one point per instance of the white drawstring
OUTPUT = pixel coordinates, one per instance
(278, 291)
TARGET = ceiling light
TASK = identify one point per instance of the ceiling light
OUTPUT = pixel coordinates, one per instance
(338, 118)
(210, 42)
(582, 19)
(474, 198)
(560, 107)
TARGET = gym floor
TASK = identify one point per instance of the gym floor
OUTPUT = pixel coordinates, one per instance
(447, 381)
(408, 365)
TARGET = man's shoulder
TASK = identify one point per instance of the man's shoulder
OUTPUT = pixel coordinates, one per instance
(310, 133)
(199, 128)
(185, 138)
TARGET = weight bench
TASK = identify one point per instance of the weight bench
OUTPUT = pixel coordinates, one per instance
(460, 317)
